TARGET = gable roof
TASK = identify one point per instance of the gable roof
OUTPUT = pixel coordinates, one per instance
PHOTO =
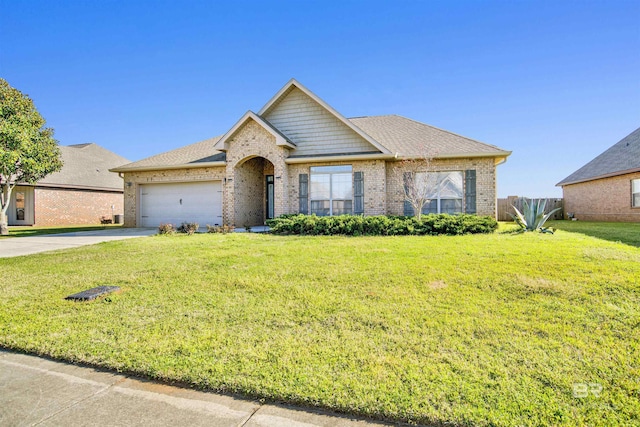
(196, 155)
(86, 166)
(621, 158)
(389, 137)
(294, 84)
(409, 138)
(281, 139)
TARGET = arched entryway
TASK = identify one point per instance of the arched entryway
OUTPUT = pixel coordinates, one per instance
(253, 187)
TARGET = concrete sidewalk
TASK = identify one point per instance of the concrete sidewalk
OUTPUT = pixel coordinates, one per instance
(18, 246)
(38, 391)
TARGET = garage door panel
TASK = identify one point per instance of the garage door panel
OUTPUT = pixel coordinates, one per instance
(176, 203)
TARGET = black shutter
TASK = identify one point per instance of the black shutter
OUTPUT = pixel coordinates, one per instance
(303, 193)
(408, 209)
(358, 193)
(470, 191)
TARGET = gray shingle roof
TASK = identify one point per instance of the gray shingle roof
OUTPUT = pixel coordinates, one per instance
(410, 138)
(86, 166)
(398, 134)
(200, 152)
(623, 157)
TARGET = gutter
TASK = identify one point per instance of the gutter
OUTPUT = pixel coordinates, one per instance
(338, 158)
(502, 156)
(170, 167)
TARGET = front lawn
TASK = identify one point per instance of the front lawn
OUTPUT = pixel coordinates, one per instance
(489, 330)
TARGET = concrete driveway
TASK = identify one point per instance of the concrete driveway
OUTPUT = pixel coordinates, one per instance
(18, 246)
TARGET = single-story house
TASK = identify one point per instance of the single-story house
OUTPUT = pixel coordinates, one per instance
(82, 192)
(608, 187)
(299, 155)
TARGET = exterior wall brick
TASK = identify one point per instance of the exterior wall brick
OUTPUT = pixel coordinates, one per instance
(251, 141)
(59, 206)
(134, 179)
(253, 154)
(485, 182)
(606, 199)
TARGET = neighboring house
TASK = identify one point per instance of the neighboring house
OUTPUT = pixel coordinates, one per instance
(299, 155)
(608, 187)
(82, 192)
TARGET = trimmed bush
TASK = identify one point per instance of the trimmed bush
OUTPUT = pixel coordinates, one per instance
(222, 229)
(166, 229)
(188, 228)
(356, 225)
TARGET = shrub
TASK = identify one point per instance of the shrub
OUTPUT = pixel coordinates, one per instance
(166, 229)
(223, 229)
(356, 225)
(188, 227)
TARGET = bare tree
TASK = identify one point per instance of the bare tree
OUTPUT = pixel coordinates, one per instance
(419, 180)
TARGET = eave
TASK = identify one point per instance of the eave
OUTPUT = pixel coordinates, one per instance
(593, 178)
(500, 157)
(338, 158)
(170, 167)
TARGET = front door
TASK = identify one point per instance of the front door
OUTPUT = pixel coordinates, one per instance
(269, 194)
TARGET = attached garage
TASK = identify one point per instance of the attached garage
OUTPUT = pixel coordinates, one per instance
(176, 203)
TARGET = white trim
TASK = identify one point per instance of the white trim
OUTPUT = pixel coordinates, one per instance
(500, 157)
(170, 167)
(294, 82)
(338, 158)
(223, 144)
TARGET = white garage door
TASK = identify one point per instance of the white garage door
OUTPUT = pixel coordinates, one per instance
(199, 202)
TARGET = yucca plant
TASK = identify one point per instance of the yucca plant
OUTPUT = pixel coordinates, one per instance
(532, 217)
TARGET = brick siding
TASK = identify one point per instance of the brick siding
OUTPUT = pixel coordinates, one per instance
(249, 142)
(606, 199)
(58, 206)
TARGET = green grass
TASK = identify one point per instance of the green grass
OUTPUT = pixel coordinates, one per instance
(23, 231)
(628, 233)
(488, 330)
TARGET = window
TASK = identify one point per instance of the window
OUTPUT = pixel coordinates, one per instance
(445, 191)
(331, 190)
(635, 193)
(20, 197)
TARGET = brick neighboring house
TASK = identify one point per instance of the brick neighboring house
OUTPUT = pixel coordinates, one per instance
(608, 187)
(82, 192)
(299, 155)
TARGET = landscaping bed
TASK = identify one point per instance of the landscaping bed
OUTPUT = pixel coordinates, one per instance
(491, 330)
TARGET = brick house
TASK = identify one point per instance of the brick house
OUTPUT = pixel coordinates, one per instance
(608, 187)
(82, 192)
(299, 155)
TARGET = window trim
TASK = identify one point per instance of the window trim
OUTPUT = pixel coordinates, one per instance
(330, 170)
(635, 183)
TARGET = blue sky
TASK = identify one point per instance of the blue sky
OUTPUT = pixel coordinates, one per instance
(555, 82)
